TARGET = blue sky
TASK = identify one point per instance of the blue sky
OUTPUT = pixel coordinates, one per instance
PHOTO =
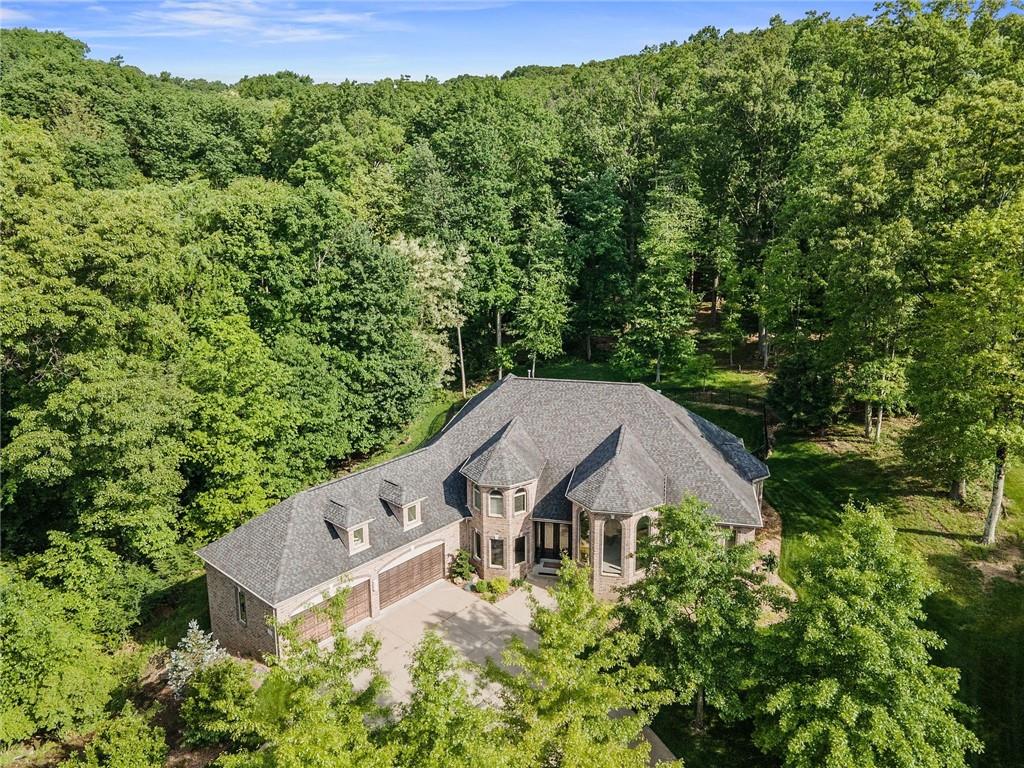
(225, 39)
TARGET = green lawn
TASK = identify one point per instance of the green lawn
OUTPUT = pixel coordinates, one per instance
(747, 382)
(981, 621)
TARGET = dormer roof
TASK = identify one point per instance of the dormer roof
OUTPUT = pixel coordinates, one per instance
(396, 494)
(618, 476)
(509, 457)
(344, 517)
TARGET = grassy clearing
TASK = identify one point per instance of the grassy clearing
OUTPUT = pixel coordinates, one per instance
(980, 618)
(748, 382)
(173, 609)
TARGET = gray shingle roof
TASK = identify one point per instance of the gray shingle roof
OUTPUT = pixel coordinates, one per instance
(342, 516)
(510, 457)
(618, 476)
(559, 425)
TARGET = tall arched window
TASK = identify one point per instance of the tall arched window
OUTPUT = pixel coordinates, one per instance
(496, 504)
(643, 533)
(611, 562)
(584, 537)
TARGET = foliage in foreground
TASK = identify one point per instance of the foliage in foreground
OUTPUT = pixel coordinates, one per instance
(556, 699)
(696, 609)
(126, 741)
(847, 678)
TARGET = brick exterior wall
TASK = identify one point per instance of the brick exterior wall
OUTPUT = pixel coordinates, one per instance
(255, 638)
(507, 528)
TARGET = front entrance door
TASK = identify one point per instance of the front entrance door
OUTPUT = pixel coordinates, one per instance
(550, 540)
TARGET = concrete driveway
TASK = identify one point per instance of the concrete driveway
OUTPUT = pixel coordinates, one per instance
(478, 629)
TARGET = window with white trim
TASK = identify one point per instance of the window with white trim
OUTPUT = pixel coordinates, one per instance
(240, 606)
(411, 516)
(477, 503)
(520, 550)
(476, 544)
(497, 553)
(495, 504)
(359, 539)
(520, 501)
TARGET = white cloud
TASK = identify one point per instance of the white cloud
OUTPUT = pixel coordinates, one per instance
(10, 15)
(243, 21)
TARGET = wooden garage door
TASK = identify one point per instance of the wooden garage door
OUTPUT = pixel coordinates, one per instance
(407, 577)
(314, 625)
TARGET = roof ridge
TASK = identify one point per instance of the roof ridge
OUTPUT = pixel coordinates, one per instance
(582, 381)
(364, 470)
(283, 551)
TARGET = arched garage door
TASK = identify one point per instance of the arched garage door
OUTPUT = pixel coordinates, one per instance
(405, 578)
(314, 625)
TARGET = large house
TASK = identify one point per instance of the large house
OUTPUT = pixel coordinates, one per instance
(528, 469)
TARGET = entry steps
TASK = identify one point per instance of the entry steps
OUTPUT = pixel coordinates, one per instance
(547, 567)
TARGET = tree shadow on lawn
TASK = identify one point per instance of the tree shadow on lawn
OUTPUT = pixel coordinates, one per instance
(167, 612)
(983, 626)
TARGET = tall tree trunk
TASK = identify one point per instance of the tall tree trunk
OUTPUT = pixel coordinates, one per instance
(762, 342)
(462, 360)
(714, 301)
(657, 370)
(995, 506)
(869, 417)
(698, 715)
(497, 315)
(589, 351)
(958, 490)
(878, 423)
(533, 366)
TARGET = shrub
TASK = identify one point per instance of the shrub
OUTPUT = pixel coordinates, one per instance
(499, 586)
(461, 567)
(483, 586)
(770, 562)
(196, 650)
(517, 582)
(218, 704)
(127, 741)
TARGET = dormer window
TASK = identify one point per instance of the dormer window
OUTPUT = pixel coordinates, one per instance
(520, 501)
(495, 504)
(358, 539)
(411, 516)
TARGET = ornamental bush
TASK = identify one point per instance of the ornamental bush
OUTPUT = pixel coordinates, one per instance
(461, 567)
(196, 650)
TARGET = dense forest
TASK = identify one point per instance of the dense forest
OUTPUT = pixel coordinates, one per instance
(217, 294)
